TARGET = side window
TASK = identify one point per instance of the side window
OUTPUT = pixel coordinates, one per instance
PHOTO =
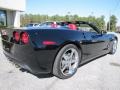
(85, 27)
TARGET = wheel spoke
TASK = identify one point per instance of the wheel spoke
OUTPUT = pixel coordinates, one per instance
(64, 62)
(71, 69)
(72, 53)
(65, 56)
(73, 61)
(64, 67)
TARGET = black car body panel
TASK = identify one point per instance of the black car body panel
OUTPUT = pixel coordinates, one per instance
(39, 58)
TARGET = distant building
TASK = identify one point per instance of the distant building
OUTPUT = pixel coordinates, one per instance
(118, 29)
(10, 12)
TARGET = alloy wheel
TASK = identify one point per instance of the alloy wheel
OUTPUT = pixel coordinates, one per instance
(69, 62)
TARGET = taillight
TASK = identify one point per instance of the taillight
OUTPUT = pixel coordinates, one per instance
(16, 36)
(24, 38)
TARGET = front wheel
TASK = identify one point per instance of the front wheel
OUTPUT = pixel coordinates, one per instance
(114, 46)
(67, 61)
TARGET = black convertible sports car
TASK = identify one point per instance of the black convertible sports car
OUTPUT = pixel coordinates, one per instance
(57, 50)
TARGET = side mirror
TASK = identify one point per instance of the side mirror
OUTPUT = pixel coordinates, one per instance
(103, 32)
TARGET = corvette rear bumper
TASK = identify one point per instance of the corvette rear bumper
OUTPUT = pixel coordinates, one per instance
(34, 60)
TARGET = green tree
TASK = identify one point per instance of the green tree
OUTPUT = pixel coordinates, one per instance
(100, 22)
(75, 17)
(113, 21)
(37, 18)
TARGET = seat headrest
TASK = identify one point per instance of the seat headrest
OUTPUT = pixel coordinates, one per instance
(72, 27)
(54, 25)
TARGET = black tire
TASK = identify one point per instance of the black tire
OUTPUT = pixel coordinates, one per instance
(56, 67)
(112, 51)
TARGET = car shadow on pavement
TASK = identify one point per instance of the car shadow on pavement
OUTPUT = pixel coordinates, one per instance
(44, 75)
(115, 64)
(38, 75)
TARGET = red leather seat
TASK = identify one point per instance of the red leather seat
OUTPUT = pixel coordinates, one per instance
(72, 26)
(54, 25)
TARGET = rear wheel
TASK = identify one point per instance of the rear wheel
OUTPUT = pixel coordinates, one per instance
(67, 61)
(114, 46)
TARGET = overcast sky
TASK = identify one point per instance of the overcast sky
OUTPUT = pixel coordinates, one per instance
(80, 7)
